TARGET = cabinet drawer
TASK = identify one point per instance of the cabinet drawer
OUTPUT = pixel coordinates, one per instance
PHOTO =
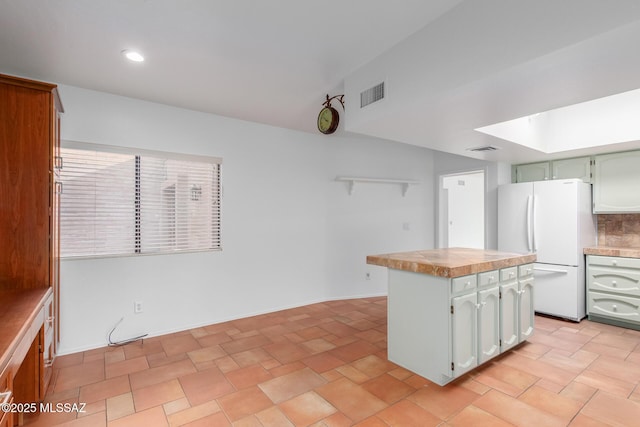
(614, 306)
(48, 314)
(464, 283)
(616, 280)
(525, 270)
(508, 274)
(488, 278)
(613, 261)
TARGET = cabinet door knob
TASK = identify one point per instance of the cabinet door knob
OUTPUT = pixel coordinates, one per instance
(614, 262)
(614, 308)
(614, 283)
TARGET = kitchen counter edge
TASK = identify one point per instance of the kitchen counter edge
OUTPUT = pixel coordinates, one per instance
(613, 251)
(450, 262)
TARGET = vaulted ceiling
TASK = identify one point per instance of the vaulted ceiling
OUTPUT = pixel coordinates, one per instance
(457, 64)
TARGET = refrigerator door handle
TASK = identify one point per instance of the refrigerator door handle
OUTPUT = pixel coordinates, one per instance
(533, 224)
(529, 231)
(551, 270)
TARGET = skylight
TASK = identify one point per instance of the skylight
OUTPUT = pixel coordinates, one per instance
(609, 120)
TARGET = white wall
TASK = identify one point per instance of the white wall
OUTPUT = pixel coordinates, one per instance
(291, 234)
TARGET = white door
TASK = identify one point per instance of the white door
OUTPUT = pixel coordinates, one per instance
(526, 318)
(463, 218)
(509, 315)
(514, 203)
(488, 324)
(464, 333)
(557, 292)
(555, 219)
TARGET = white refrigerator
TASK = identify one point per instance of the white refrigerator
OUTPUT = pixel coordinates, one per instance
(553, 219)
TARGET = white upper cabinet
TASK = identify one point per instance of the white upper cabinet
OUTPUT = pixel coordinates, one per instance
(616, 186)
(579, 167)
(533, 172)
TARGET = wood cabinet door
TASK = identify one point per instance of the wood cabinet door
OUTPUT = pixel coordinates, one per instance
(464, 333)
(24, 186)
(488, 324)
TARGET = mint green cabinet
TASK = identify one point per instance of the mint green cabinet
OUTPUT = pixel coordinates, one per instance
(533, 172)
(616, 183)
(578, 167)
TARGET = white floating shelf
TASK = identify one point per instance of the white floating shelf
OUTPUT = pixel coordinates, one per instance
(352, 180)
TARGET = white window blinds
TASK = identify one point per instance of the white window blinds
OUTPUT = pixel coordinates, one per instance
(116, 202)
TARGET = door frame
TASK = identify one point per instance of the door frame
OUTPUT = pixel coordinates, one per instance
(443, 205)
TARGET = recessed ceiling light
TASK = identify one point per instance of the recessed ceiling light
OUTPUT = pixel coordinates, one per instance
(132, 55)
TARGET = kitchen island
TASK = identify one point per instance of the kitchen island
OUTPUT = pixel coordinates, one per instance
(451, 310)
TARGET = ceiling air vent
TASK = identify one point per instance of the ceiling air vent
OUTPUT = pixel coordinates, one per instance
(484, 148)
(371, 95)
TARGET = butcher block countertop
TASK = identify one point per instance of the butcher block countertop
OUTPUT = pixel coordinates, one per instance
(450, 262)
(613, 251)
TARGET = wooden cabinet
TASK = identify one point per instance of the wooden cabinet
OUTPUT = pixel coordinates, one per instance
(613, 290)
(616, 183)
(6, 396)
(441, 327)
(29, 225)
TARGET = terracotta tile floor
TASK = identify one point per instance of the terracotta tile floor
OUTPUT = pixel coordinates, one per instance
(325, 365)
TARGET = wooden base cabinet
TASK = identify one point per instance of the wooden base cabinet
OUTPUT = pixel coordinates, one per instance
(441, 328)
(6, 396)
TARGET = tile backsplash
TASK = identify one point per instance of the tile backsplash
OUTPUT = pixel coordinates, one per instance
(621, 230)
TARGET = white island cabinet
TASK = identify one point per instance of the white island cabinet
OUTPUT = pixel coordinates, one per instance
(450, 310)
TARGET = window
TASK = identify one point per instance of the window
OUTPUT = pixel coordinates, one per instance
(127, 202)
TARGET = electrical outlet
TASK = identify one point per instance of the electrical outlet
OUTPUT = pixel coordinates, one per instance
(137, 307)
